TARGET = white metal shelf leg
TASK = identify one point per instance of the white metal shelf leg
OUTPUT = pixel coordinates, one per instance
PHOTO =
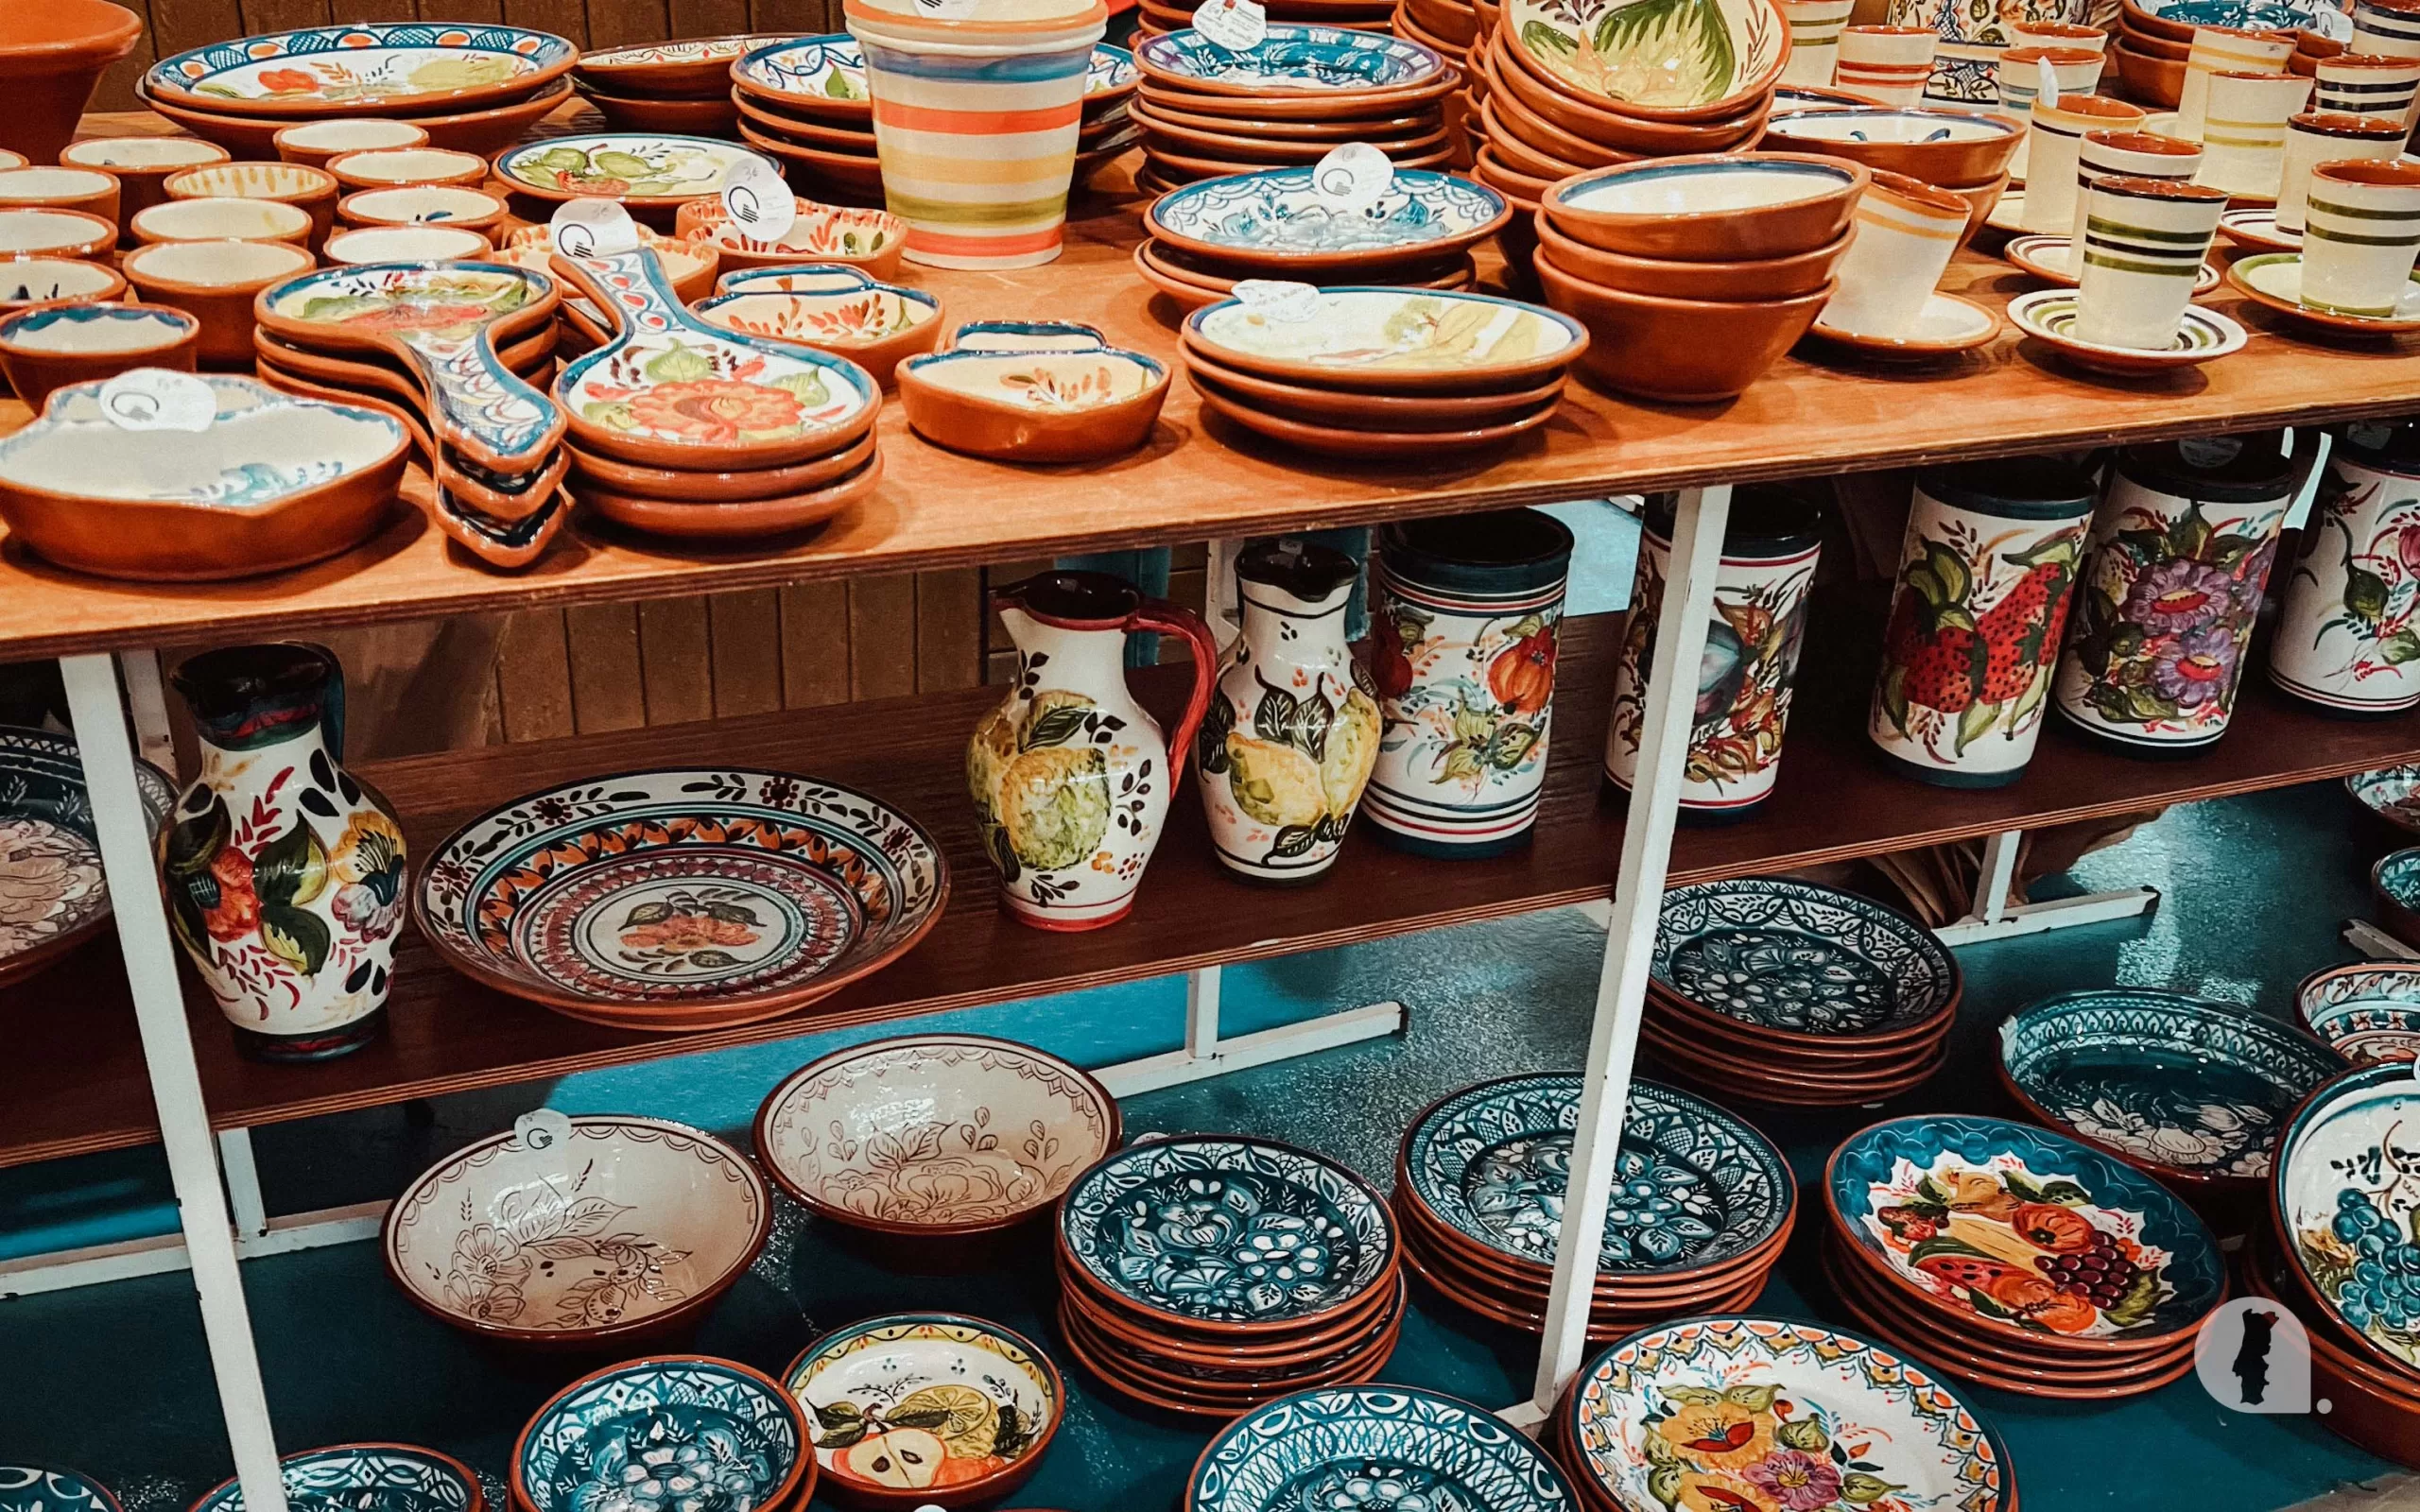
(244, 1199)
(1995, 917)
(93, 702)
(146, 706)
(1208, 1054)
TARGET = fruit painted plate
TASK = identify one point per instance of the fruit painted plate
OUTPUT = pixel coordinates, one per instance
(733, 1428)
(2179, 1085)
(1372, 1446)
(1282, 215)
(364, 69)
(1799, 959)
(1683, 59)
(2020, 1232)
(389, 1477)
(1752, 1412)
(644, 895)
(2392, 793)
(52, 894)
(2346, 1184)
(635, 168)
(921, 1401)
(1694, 1185)
(2366, 1012)
(32, 1488)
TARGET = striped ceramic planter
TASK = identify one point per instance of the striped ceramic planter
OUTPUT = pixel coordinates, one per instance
(2130, 154)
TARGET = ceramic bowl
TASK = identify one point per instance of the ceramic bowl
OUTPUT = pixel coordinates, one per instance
(423, 205)
(484, 130)
(651, 176)
(141, 165)
(40, 1488)
(1721, 208)
(693, 487)
(214, 282)
(1278, 220)
(823, 76)
(1948, 148)
(51, 57)
(579, 1232)
(313, 143)
(1778, 278)
(1777, 961)
(58, 897)
(293, 184)
(89, 190)
(47, 348)
(2159, 81)
(403, 167)
(44, 279)
(219, 220)
(2366, 1012)
(406, 244)
(831, 307)
(366, 68)
(2392, 793)
(872, 1391)
(1385, 341)
(687, 68)
(642, 115)
(2154, 46)
(1402, 412)
(731, 1429)
(385, 1475)
(1340, 1435)
(2394, 882)
(1684, 351)
(27, 231)
(2334, 1200)
(870, 240)
(1034, 404)
(1330, 61)
(1654, 63)
(1541, 95)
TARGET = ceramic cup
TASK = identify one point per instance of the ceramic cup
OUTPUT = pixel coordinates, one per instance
(2056, 34)
(214, 282)
(2361, 234)
(2224, 49)
(2020, 76)
(1889, 64)
(89, 190)
(2313, 139)
(313, 143)
(2389, 27)
(2243, 130)
(2144, 242)
(141, 165)
(2052, 139)
(215, 220)
(314, 189)
(1814, 38)
(2366, 84)
(2126, 154)
(403, 167)
(1906, 232)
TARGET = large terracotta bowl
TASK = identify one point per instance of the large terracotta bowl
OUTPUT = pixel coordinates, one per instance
(1953, 147)
(1710, 208)
(1777, 277)
(1684, 351)
(52, 52)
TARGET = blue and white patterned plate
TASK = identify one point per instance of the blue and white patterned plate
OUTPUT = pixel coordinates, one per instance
(364, 1478)
(1694, 1185)
(1796, 958)
(610, 1442)
(1281, 213)
(32, 1489)
(2322, 16)
(1215, 1229)
(1292, 59)
(50, 857)
(2346, 1185)
(2168, 1082)
(2365, 1012)
(2392, 793)
(1374, 1449)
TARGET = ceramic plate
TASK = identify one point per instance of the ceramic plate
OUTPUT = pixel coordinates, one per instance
(633, 166)
(735, 1432)
(1217, 1230)
(1373, 1448)
(924, 1400)
(1281, 212)
(702, 887)
(2392, 793)
(352, 1477)
(2366, 1012)
(2050, 257)
(1693, 1186)
(312, 70)
(1110, 68)
(2024, 1230)
(2322, 16)
(1799, 959)
(2343, 1194)
(2050, 315)
(1292, 59)
(1390, 334)
(1753, 1412)
(32, 1489)
(2007, 212)
(830, 70)
(2255, 226)
(2276, 280)
(1662, 54)
(51, 887)
(1945, 325)
(2164, 1080)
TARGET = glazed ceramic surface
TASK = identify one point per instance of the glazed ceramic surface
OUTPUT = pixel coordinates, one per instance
(51, 887)
(262, 446)
(26, 229)
(843, 232)
(2321, 16)
(2349, 627)
(1970, 38)
(1293, 57)
(601, 1444)
(819, 304)
(2366, 1012)
(2344, 1192)
(700, 887)
(1214, 1228)
(1041, 380)
(2393, 793)
(1694, 1185)
(94, 329)
(39, 279)
(423, 205)
(1281, 213)
(2025, 1231)
(2162, 1079)
(2201, 335)
(1755, 1412)
(1374, 1447)
(1388, 332)
(628, 166)
(936, 1132)
(924, 1401)
(1793, 957)
(32, 1489)
(352, 67)
(362, 1477)
(1660, 54)
(811, 69)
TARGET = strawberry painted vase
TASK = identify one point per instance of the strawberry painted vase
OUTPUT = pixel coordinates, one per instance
(1752, 649)
(2348, 627)
(1986, 574)
(285, 875)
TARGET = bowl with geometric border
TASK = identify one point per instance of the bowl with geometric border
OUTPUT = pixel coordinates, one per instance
(1374, 1447)
(1324, 61)
(1280, 222)
(41, 1488)
(2392, 793)
(2366, 1012)
(2341, 1204)
(52, 894)
(667, 1433)
(1767, 960)
(2395, 886)
(362, 1478)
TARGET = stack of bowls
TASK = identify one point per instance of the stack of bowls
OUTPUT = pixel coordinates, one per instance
(1695, 274)
(1449, 28)
(1967, 152)
(1205, 112)
(1701, 1203)
(683, 88)
(1395, 374)
(1209, 1274)
(1155, 17)
(471, 88)
(2365, 1011)
(1792, 993)
(2016, 1257)
(1205, 237)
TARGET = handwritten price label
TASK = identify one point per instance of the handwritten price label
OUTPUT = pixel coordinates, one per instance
(1279, 298)
(1354, 177)
(1238, 26)
(157, 399)
(759, 203)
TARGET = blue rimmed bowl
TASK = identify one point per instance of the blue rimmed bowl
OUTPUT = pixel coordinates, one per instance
(1278, 223)
(1967, 1218)
(2394, 882)
(34, 1488)
(732, 1430)
(2341, 1199)
(1775, 962)
(363, 1478)
(1323, 61)
(1374, 1447)
(49, 346)
(2366, 1012)
(59, 896)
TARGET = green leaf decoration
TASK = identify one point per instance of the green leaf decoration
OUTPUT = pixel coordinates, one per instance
(560, 159)
(2364, 595)
(926, 1418)
(1803, 1433)
(1756, 1398)
(2023, 1185)
(1893, 696)
(2189, 533)
(2065, 1193)
(679, 364)
(2136, 1302)
(1055, 726)
(292, 869)
(839, 1414)
(297, 937)
(1945, 1244)
(612, 414)
(1858, 1487)
(1974, 722)
(1663, 1484)
(2403, 645)
(2031, 700)
(1683, 42)
(1660, 1450)
(1540, 38)
(1210, 745)
(622, 164)
(836, 86)
(995, 841)
(1510, 745)
(808, 388)
(1694, 1395)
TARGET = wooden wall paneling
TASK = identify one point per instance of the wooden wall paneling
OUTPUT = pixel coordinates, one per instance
(533, 677)
(621, 23)
(709, 18)
(177, 25)
(949, 629)
(568, 18)
(676, 656)
(115, 90)
(465, 11)
(815, 645)
(608, 687)
(804, 17)
(281, 15)
(746, 629)
(882, 636)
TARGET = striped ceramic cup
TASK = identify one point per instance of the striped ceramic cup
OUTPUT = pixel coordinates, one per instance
(1906, 232)
(2020, 76)
(2389, 27)
(2049, 204)
(2243, 135)
(2366, 84)
(2361, 237)
(2056, 34)
(2127, 154)
(2219, 49)
(2144, 243)
(1887, 63)
(2313, 138)
(1814, 38)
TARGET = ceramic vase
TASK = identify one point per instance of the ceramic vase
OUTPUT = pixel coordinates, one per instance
(1464, 616)
(285, 875)
(1287, 746)
(1070, 776)
(1986, 573)
(2348, 629)
(2181, 550)
(1752, 647)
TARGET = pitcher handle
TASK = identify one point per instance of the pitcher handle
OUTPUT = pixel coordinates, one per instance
(1159, 615)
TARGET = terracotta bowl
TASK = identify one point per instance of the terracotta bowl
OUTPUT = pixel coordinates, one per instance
(141, 165)
(48, 348)
(1778, 278)
(868, 239)
(1937, 147)
(729, 1425)
(424, 204)
(214, 282)
(45, 280)
(2134, 18)
(2154, 45)
(832, 308)
(686, 69)
(1684, 351)
(406, 244)
(403, 167)
(219, 220)
(34, 231)
(293, 184)
(1035, 405)
(691, 261)
(2154, 80)
(1407, 412)
(689, 519)
(1979, 200)
(1511, 70)
(52, 52)
(1710, 208)
(89, 190)
(313, 143)
(633, 480)
(622, 112)
(1510, 124)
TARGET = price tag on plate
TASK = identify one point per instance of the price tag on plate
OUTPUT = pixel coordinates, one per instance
(1280, 298)
(542, 1129)
(593, 227)
(1238, 26)
(159, 399)
(759, 202)
(1354, 177)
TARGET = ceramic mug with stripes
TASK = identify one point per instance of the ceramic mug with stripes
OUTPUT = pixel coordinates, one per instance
(2367, 84)
(2243, 135)
(2128, 154)
(2056, 34)
(2217, 49)
(1906, 232)
(2057, 132)
(2361, 237)
(2019, 74)
(1814, 38)
(2313, 138)
(2144, 243)
(1887, 63)
(2387, 27)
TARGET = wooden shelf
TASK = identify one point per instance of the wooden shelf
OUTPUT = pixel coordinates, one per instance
(73, 1081)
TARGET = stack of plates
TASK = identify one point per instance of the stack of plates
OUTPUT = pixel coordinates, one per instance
(1157, 17)
(1391, 373)
(1372, 1448)
(1701, 1203)
(679, 87)
(1788, 992)
(1209, 1274)
(57, 896)
(1275, 224)
(2016, 1258)
(473, 87)
(1305, 91)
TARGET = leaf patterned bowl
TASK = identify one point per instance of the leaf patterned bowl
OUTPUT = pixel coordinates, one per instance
(1757, 1412)
(34, 1488)
(389, 1477)
(1779, 962)
(2365, 1012)
(53, 896)
(1371, 1447)
(2341, 1200)
(1661, 59)
(579, 1232)
(643, 170)
(934, 1135)
(1042, 402)
(1279, 221)
(620, 1439)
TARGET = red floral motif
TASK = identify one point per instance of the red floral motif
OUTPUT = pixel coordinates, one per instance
(237, 913)
(717, 411)
(289, 81)
(1522, 675)
(403, 317)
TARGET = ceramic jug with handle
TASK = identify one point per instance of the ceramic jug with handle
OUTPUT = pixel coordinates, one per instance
(285, 875)
(1070, 776)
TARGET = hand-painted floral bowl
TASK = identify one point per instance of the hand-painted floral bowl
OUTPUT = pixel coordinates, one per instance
(53, 896)
(26, 280)
(1710, 208)
(1279, 221)
(1780, 962)
(2341, 1199)
(365, 1478)
(870, 240)
(1392, 340)
(1327, 60)
(46, 349)
(2193, 1091)
(2011, 1231)
(2366, 1012)
(2394, 882)
(362, 69)
(926, 1409)
(822, 77)
(1035, 404)
(732, 1432)
(1690, 61)
(33, 1488)
(831, 307)
(678, 898)
(577, 1234)
(1374, 1446)
(1756, 1411)
(645, 173)
(2392, 793)
(1937, 147)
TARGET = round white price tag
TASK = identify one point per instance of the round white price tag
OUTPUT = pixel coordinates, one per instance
(1354, 177)
(1238, 26)
(158, 399)
(759, 203)
(593, 227)
(1279, 298)
(542, 1129)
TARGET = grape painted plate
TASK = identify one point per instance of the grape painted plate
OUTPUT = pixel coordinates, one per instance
(2343, 1193)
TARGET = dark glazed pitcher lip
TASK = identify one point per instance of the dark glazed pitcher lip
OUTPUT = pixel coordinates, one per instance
(1305, 569)
(238, 689)
(1073, 600)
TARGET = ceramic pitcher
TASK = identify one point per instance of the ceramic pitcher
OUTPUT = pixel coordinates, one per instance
(1291, 733)
(2348, 630)
(1070, 776)
(285, 875)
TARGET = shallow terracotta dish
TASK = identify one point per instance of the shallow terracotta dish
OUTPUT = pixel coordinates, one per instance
(41, 349)
(1368, 442)
(483, 131)
(354, 1474)
(579, 1232)
(1684, 350)
(43, 280)
(1385, 341)
(1036, 405)
(868, 239)
(715, 1422)
(293, 184)
(35, 231)
(219, 220)
(651, 176)
(274, 483)
(739, 519)
(661, 118)
(832, 308)
(1777, 277)
(51, 55)
(403, 167)
(406, 244)
(367, 68)
(217, 283)
(313, 143)
(2154, 80)
(685, 485)
(424, 205)
(1948, 148)
(1719, 208)
(58, 897)
(1407, 412)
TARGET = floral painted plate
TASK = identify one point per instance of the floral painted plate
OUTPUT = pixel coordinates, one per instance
(1794, 958)
(52, 894)
(1281, 216)
(357, 1477)
(1249, 1235)
(1374, 1447)
(2392, 793)
(1749, 1412)
(733, 1430)
(1385, 340)
(2018, 1231)
(2346, 1184)
(928, 1400)
(2322, 16)
(659, 897)
(1323, 59)
(1679, 59)
(640, 169)
(2180, 1087)
(1694, 1185)
(32, 1488)
(2366, 1012)
(364, 69)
